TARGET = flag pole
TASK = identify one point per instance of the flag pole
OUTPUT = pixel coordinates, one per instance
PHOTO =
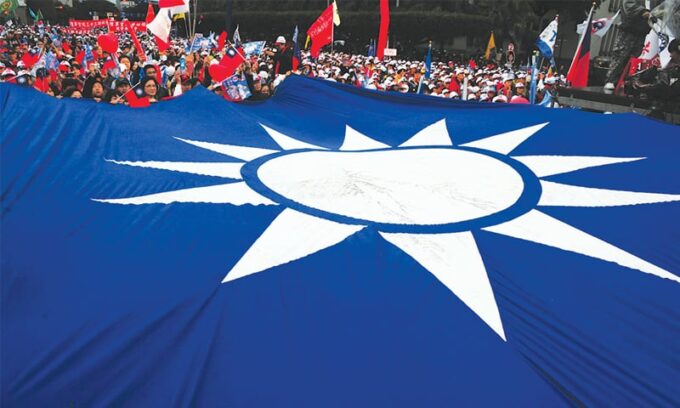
(589, 23)
(332, 32)
(186, 25)
(532, 90)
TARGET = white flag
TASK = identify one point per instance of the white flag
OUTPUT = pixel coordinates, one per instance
(179, 9)
(336, 16)
(599, 26)
(237, 37)
(651, 47)
(160, 26)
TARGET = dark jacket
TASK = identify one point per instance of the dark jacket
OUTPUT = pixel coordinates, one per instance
(632, 20)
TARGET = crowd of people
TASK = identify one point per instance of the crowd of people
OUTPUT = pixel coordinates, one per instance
(68, 65)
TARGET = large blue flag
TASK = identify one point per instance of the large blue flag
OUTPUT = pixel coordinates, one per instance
(334, 246)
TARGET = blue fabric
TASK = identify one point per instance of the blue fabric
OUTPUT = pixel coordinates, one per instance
(544, 48)
(428, 62)
(114, 305)
(254, 48)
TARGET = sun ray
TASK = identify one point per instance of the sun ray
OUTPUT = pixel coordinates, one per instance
(435, 134)
(291, 236)
(355, 140)
(564, 195)
(244, 153)
(455, 260)
(226, 170)
(505, 143)
(544, 166)
(540, 228)
(287, 142)
(233, 193)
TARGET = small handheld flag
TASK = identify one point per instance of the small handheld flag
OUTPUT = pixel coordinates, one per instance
(237, 37)
(297, 55)
(490, 46)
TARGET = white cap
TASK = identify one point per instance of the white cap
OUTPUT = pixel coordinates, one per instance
(280, 40)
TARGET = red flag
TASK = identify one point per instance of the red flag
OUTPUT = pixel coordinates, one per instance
(30, 59)
(580, 65)
(109, 64)
(384, 28)
(150, 15)
(135, 40)
(472, 64)
(41, 84)
(321, 31)
(135, 101)
(231, 60)
(66, 47)
(162, 45)
(170, 3)
(454, 86)
(221, 40)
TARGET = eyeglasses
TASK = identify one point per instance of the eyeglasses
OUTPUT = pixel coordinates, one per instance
(150, 85)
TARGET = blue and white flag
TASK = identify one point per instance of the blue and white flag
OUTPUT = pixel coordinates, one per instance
(212, 40)
(428, 62)
(371, 48)
(316, 249)
(236, 88)
(253, 48)
(428, 68)
(546, 41)
(51, 61)
(196, 43)
(88, 56)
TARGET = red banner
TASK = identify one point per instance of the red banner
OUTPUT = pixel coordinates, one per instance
(384, 28)
(84, 26)
(135, 40)
(321, 31)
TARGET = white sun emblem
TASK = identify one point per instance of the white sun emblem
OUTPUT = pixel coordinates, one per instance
(425, 196)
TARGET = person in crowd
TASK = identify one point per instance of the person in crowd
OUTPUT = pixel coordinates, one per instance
(632, 31)
(71, 92)
(176, 71)
(282, 57)
(664, 84)
(150, 87)
(121, 87)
